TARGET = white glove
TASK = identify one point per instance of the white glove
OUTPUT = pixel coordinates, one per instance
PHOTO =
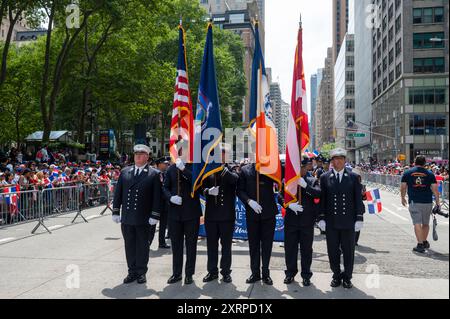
(255, 206)
(296, 208)
(322, 225)
(302, 183)
(152, 221)
(359, 226)
(176, 200)
(116, 218)
(214, 191)
(180, 165)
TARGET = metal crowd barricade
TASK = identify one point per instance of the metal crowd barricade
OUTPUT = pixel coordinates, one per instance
(18, 207)
(39, 205)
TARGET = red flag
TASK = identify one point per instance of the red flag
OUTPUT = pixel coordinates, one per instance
(182, 127)
(298, 130)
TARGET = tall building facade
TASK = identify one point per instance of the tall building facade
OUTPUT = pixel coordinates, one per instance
(325, 104)
(340, 24)
(410, 60)
(20, 26)
(344, 89)
(238, 16)
(363, 83)
(313, 83)
(281, 112)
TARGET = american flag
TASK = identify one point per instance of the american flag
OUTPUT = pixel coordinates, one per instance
(182, 127)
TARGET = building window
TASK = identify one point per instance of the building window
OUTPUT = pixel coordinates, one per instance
(398, 24)
(385, 83)
(349, 104)
(349, 76)
(391, 34)
(204, 1)
(391, 56)
(428, 15)
(427, 124)
(384, 64)
(398, 70)
(422, 40)
(397, 4)
(427, 96)
(429, 65)
(391, 77)
(398, 47)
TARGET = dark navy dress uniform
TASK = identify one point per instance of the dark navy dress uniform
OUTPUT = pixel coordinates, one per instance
(164, 207)
(341, 206)
(220, 216)
(260, 227)
(184, 220)
(299, 230)
(139, 198)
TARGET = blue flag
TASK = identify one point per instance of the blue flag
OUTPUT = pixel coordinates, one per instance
(207, 156)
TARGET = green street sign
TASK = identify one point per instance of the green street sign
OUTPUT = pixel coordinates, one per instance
(356, 135)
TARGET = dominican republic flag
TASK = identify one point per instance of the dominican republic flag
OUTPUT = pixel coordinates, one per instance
(207, 155)
(11, 196)
(182, 125)
(374, 201)
(262, 124)
(298, 128)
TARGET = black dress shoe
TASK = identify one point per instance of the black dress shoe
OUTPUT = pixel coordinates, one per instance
(267, 280)
(210, 277)
(253, 279)
(347, 284)
(164, 246)
(335, 283)
(426, 245)
(188, 280)
(227, 279)
(288, 280)
(306, 282)
(141, 279)
(174, 279)
(129, 279)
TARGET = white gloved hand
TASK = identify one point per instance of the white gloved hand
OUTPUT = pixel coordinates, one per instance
(322, 225)
(116, 218)
(302, 183)
(255, 206)
(180, 165)
(296, 208)
(152, 221)
(214, 191)
(359, 226)
(176, 200)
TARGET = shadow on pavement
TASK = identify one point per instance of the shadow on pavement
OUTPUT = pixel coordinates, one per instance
(128, 291)
(297, 291)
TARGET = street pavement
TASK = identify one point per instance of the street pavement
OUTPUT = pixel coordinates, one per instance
(87, 260)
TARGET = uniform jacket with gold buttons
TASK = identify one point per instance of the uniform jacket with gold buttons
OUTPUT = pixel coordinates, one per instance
(223, 206)
(138, 196)
(341, 203)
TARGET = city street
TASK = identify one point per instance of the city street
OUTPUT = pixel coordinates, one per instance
(49, 265)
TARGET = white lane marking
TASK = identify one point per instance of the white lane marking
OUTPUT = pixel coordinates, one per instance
(92, 217)
(395, 214)
(55, 227)
(7, 239)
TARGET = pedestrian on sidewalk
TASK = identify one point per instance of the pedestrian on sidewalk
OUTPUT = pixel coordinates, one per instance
(420, 184)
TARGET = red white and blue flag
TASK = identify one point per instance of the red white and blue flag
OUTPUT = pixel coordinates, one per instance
(374, 201)
(11, 198)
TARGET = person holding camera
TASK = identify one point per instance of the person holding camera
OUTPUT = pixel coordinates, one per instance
(421, 185)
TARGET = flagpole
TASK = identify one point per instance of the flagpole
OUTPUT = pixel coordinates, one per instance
(300, 124)
(179, 117)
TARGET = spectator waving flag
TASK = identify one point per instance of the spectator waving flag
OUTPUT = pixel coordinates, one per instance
(262, 124)
(11, 196)
(374, 201)
(181, 129)
(207, 155)
(298, 129)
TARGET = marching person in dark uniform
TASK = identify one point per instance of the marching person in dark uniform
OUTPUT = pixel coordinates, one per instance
(183, 220)
(261, 220)
(161, 167)
(138, 193)
(341, 215)
(318, 170)
(299, 228)
(219, 190)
